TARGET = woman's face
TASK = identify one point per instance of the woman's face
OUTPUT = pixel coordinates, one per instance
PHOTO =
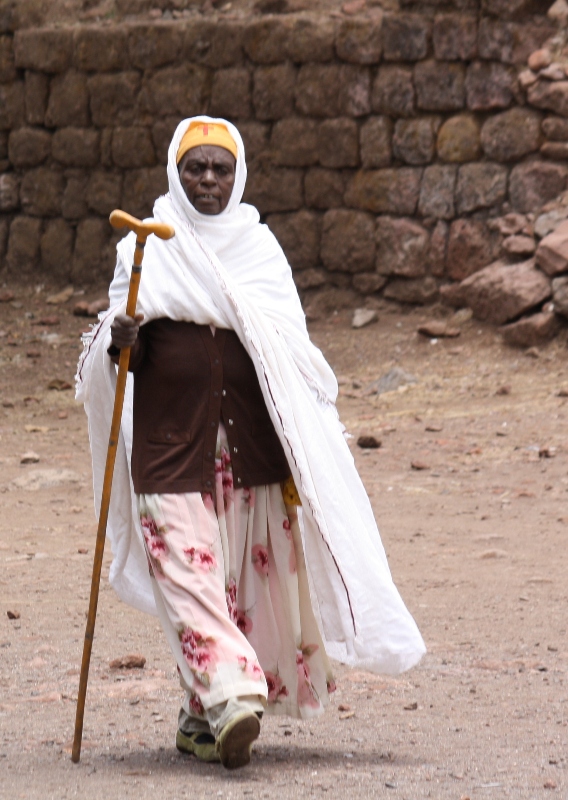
(207, 174)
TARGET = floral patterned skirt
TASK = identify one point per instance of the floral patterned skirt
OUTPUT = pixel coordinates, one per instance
(233, 597)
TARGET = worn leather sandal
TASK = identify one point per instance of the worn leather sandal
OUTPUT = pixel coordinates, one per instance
(234, 743)
(200, 745)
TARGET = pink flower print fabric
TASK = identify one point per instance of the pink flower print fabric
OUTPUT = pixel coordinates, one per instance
(234, 596)
(201, 557)
(260, 559)
(156, 547)
(276, 689)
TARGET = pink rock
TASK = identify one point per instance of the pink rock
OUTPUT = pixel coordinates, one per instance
(438, 329)
(532, 331)
(555, 72)
(540, 59)
(519, 245)
(471, 246)
(501, 292)
(509, 225)
(552, 95)
(552, 252)
(526, 78)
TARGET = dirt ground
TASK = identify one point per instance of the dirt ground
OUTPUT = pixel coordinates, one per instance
(477, 544)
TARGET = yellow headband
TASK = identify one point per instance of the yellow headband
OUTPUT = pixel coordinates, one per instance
(200, 133)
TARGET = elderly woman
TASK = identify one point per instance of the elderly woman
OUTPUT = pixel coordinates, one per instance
(231, 408)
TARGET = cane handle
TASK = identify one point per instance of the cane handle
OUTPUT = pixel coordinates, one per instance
(120, 219)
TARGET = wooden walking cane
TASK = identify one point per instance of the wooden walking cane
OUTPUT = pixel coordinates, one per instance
(118, 219)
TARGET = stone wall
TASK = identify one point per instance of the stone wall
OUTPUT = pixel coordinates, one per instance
(379, 145)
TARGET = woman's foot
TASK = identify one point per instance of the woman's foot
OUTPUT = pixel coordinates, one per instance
(234, 743)
(200, 745)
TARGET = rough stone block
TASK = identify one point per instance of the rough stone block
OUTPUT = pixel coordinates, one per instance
(310, 278)
(534, 183)
(255, 138)
(28, 147)
(437, 250)
(402, 247)
(354, 90)
(7, 68)
(133, 148)
(489, 85)
(552, 252)
(141, 188)
(560, 295)
(231, 93)
(273, 91)
(406, 37)
(324, 188)
(338, 143)
(299, 235)
(311, 40)
(455, 37)
(43, 49)
(175, 90)
(512, 134)
(162, 133)
(98, 49)
(9, 191)
(113, 98)
(104, 191)
(294, 142)
(265, 40)
(532, 331)
(471, 246)
(369, 282)
(76, 147)
(480, 185)
(41, 192)
(376, 136)
(348, 241)
(214, 44)
(74, 202)
(56, 247)
(153, 45)
(36, 92)
(513, 9)
(439, 85)
(325, 302)
(274, 189)
(555, 128)
(91, 240)
(416, 291)
(359, 40)
(511, 42)
(68, 101)
(550, 95)
(393, 92)
(437, 192)
(501, 292)
(459, 139)
(385, 191)
(414, 140)
(317, 90)
(557, 151)
(4, 231)
(22, 256)
(11, 105)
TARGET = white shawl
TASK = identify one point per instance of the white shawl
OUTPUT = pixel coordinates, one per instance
(228, 270)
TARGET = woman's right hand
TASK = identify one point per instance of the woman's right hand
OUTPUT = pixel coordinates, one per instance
(124, 330)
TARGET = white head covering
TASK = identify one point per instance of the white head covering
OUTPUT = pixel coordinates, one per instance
(229, 270)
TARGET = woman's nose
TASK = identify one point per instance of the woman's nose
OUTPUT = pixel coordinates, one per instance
(208, 176)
